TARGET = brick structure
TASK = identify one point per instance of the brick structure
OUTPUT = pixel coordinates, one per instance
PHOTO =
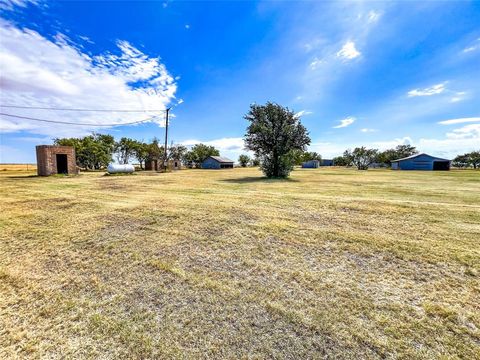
(157, 165)
(53, 160)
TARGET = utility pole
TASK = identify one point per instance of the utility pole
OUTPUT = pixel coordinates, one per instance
(166, 140)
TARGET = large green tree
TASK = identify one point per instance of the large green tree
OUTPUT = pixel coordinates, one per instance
(467, 160)
(363, 157)
(93, 152)
(303, 156)
(274, 134)
(198, 153)
(125, 149)
(140, 151)
(401, 151)
(243, 160)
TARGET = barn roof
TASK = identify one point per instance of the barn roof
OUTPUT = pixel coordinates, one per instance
(221, 159)
(417, 155)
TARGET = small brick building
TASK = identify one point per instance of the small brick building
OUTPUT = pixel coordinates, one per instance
(157, 165)
(53, 160)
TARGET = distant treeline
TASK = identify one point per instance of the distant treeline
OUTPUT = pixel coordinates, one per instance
(96, 151)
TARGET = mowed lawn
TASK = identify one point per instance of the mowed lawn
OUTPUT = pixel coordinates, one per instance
(333, 263)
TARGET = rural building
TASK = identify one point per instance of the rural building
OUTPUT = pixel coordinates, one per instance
(311, 164)
(53, 160)
(157, 165)
(217, 162)
(174, 164)
(327, 162)
(421, 162)
(153, 165)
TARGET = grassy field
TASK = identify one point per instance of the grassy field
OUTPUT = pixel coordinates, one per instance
(18, 167)
(331, 263)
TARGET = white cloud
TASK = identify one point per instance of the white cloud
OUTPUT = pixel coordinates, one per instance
(303, 113)
(367, 130)
(316, 62)
(459, 121)
(345, 122)
(10, 4)
(459, 96)
(348, 51)
(223, 144)
(40, 72)
(433, 90)
(470, 131)
(373, 16)
(474, 47)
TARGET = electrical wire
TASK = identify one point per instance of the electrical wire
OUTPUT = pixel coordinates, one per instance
(72, 123)
(70, 109)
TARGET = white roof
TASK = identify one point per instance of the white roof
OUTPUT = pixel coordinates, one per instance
(416, 155)
(222, 159)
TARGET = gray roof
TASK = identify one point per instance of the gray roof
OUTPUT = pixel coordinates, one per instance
(221, 159)
(416, 155)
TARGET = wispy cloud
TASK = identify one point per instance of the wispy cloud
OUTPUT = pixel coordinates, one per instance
(459, 96)
(459, 121)
(37, 71)
(303, 113)
(316, 62)
(373, 16)
(474, 47)
(223, 144)
(367, 130)
(470, 131)
(429, 91)
(10, 4)
(345, 122)
(348, 51)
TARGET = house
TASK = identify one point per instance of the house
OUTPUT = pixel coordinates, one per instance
(311, 164)
(217, 162)
(53, 160)
(421, 162)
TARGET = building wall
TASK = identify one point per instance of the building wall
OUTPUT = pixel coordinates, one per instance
(210, 164)
(153, 165)
(312, 164)
(47, 160)
(421, 162)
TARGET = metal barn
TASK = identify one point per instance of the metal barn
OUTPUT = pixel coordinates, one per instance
(421, 162)
(217, 162)
(327, 162)
(311, 164)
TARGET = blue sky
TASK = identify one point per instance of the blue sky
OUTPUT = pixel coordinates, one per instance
(358, 73)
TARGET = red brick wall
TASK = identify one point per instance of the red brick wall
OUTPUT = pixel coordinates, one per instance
(47, 160)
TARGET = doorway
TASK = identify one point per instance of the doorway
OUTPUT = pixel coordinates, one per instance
(62, 164)
(441, 165)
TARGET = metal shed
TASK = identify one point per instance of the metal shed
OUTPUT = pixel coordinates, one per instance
(421, 162)
(327, 162)
(311, 164)
(217, 162)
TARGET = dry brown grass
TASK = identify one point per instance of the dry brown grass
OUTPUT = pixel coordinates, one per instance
(225, 264)
(18, 167)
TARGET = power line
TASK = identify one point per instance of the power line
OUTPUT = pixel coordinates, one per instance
(72, 123)
(70, 109)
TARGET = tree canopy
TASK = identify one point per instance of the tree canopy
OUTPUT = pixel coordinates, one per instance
(93, 152)
(244, 160)
(198, 153)
(273, 135)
